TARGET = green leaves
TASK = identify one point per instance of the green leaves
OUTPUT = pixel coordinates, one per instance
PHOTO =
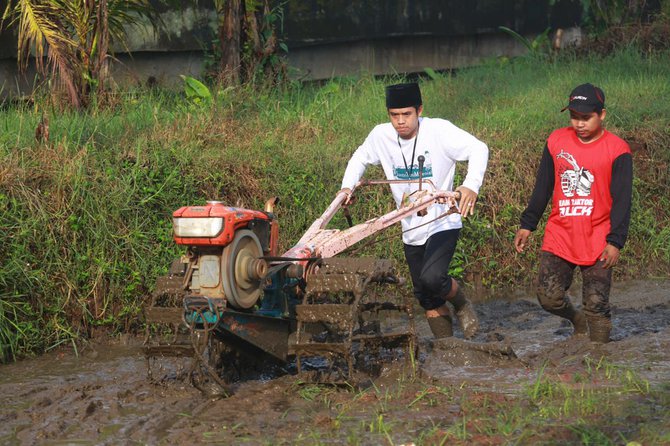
(196, 92)
(434, 75)
(539, 46)
(70, 39)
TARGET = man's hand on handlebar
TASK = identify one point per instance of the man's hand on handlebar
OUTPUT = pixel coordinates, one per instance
(467, 201)
(350, 198)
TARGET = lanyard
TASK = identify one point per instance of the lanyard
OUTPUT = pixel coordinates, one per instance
(416, 138)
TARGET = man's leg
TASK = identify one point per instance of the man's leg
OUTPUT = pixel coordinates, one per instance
(440, 322)
(465, 311)
(595, 300)
(555, 279)
(429, 267)
(437, 314)
(440, 249)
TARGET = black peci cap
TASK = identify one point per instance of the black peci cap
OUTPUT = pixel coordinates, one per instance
(586, 98)
(403, 95)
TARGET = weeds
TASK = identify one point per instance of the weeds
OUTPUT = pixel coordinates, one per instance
(420, 413)
(426, 396)
(310, 392)
(538, 48)
(86, 214)
(589, 435)
(553, 398)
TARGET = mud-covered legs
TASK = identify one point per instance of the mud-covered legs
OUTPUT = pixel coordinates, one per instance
(555, 279)
(595, 299)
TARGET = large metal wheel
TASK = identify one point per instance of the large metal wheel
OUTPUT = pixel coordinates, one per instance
(242, 270)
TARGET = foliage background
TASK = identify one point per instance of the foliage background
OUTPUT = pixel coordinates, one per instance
(85, 215)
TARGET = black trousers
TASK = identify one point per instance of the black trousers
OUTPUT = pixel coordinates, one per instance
(429, 268)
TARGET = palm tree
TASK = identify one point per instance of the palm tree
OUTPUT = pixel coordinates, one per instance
(70, 39)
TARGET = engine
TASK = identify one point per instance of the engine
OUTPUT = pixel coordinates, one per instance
(225, 246)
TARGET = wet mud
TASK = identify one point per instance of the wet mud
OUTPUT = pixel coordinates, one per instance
(103, 396)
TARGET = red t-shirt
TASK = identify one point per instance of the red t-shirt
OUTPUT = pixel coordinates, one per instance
(581, 202)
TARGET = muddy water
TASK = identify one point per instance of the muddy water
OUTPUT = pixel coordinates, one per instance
(102, 395)
(640, 335)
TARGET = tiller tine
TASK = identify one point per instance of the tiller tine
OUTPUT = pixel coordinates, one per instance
(203, 313)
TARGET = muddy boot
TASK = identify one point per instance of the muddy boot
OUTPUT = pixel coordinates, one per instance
(576, 317)
(580, 323)
(466, 314)
(441, 326)
(599, 329)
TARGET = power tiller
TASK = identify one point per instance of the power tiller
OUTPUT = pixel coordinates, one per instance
(231, 294)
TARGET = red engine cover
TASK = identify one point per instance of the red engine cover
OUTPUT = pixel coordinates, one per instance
(234, 218)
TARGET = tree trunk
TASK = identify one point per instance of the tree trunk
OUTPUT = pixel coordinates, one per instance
(230, 31)
(101, 63)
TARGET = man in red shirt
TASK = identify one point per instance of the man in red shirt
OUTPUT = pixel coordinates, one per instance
(588, 174)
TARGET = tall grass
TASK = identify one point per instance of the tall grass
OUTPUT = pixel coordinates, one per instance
(85, 216)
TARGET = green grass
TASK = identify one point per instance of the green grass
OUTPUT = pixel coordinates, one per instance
(597, 407)
(85, 217)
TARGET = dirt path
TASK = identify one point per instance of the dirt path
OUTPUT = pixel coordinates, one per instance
(103, 397)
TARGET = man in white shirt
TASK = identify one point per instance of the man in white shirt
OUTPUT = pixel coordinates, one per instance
(429, 241)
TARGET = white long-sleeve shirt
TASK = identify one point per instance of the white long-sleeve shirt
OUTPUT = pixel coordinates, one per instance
(442, 144)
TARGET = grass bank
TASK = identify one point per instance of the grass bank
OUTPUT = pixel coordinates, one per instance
(85, 216)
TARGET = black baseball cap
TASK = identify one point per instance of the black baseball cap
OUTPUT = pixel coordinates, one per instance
(586, 98)
(403, 95)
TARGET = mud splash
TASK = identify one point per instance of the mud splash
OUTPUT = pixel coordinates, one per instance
(103, 395)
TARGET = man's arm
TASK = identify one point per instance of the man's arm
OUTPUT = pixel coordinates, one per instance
(479, 158)
(621, 189)
(359, 161)
(544, 187)
(465, 147)
(354, 171)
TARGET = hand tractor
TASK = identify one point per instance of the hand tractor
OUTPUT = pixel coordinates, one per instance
(232, 296)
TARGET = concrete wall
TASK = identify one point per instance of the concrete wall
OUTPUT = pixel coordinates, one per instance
(309, 22)
(399, 55)
(333, 38)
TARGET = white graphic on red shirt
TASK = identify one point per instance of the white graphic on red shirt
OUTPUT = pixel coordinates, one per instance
(575, 181)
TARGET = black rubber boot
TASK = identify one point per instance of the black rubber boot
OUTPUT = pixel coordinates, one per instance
(441, 326)
(599, 329)
(466, 314)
